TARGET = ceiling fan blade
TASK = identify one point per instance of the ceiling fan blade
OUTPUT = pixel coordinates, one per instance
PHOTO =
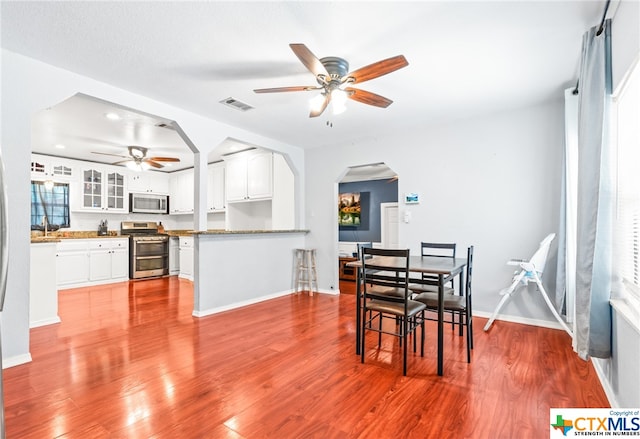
(315, 112)
(379, 68)
(113, 155)
(121, 162)
(152, 163)
(309, 60)
(164, 159)
(281, 89)
(366, 97)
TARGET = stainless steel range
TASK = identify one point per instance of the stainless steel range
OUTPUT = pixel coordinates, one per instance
(148, 249)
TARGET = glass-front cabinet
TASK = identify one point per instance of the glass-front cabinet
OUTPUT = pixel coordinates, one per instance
(102, 190)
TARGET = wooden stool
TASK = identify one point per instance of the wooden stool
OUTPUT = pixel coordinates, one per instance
(305, 274)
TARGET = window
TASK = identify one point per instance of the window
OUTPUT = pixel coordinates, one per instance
(627, 222)
(53, 202)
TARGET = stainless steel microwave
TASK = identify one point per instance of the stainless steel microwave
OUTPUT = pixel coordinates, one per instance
(148, 203)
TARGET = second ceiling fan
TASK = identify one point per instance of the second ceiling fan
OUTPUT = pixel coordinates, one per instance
(333, 77)
(137, 158)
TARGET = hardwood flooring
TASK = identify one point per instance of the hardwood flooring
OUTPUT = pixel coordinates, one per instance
(130, 361)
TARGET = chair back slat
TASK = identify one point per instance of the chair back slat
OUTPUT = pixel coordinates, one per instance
(438, 249)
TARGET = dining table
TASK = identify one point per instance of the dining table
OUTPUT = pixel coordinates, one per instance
(446, 269)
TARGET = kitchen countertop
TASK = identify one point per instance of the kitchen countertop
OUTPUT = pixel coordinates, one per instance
(37, 237)
(229, 232)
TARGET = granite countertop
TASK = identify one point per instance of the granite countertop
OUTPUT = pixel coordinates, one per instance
(38, 237)
(246, 232)
(229, 232)
(57, 236)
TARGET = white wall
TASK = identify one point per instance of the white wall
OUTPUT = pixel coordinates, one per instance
(29, 85)
(492, 182)
(261, 268)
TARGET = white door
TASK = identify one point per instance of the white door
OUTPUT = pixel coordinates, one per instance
(389, 222)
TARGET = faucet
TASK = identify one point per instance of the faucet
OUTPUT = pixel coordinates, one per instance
(45, 224)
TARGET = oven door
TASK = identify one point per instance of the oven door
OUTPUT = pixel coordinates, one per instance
(149, 258)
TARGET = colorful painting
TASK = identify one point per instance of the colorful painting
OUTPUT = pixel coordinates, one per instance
(349, 209)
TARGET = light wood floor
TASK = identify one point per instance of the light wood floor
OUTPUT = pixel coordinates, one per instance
(129, 361)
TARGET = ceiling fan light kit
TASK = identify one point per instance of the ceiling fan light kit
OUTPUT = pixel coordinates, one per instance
(333, 80)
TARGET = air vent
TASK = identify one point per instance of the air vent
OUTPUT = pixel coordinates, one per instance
(231, 102)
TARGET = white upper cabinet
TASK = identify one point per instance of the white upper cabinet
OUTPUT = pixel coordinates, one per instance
(148, 182)
(102, 190)
(249, 176)
(216, 199)
(51, 168)
(181, 192)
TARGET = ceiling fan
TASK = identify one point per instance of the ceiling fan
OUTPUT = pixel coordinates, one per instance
(138, 160)
(333, 77)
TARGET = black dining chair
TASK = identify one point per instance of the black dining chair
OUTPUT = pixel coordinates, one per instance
(386, 295)
(438, 250)
(455, 304)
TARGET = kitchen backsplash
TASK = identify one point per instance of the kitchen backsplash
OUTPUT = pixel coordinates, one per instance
(81, 221)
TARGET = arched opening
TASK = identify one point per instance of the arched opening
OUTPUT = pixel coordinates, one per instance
(367, 214)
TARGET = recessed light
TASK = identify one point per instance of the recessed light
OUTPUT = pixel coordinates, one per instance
(60, 146)
(112, 116)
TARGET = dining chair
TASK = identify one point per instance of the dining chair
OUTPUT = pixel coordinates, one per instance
(438, 250)
(455, 304)
(386, 296)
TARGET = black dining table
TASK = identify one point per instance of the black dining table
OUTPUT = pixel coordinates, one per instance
(446, 269)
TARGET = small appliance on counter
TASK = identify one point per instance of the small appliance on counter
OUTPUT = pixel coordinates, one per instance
(103, 229)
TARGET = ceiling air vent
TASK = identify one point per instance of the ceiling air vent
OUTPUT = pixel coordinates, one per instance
(231, 102)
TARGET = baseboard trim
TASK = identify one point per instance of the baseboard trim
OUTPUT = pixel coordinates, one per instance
(211, 311)
(44, 322)
(16, 360)
(522, 320)
(599, 366)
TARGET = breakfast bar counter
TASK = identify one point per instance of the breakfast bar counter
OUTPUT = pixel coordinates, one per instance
(238, 268)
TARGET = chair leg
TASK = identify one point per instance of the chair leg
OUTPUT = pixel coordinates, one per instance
(362, 336)
(379, 330)
(422, 338)
(468, 344)
(404, 347)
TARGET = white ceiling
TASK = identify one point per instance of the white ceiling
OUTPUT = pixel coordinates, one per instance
(465, 59)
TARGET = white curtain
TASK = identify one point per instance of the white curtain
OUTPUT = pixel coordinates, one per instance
(585, 235)
(595, 198)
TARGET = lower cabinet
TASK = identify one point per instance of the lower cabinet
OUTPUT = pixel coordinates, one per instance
(43, 294)
(174, 255)
(186, 257)
(81, 262)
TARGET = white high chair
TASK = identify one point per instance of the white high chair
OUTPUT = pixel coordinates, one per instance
(531, 271)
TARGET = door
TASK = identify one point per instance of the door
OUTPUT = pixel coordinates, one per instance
(389, 222)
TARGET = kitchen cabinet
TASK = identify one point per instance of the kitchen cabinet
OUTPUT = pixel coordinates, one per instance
(43, 294)
(81, 262)
(186, 257)
(174, 255)
(102, 190)
(249, 176)
(148, 182)
(216, 199)
(181, 192)
(108, 259)
(51, 168)
(72, 263)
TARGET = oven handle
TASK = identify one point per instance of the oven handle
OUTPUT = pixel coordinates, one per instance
(148, 241)
(151, 257)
